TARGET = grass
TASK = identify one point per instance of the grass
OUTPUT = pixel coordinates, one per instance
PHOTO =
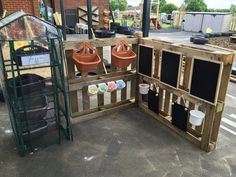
(166, 25)
(129, 22)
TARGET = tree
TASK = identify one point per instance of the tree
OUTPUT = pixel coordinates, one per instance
(196, 6)
(186, 1)
(114, 5)
(168, 8)
(161, 4)
(119, 4)
(232, 8)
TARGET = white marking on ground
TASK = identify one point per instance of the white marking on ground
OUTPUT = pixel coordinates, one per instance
(232, 116)
(229, 122)
(228, 130)
(88, 158)
(230, 96)
(8, 131)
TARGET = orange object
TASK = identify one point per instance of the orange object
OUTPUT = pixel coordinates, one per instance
(106, 26)
(86, 58)
(106, 20)
(123, 55)
(106, 12)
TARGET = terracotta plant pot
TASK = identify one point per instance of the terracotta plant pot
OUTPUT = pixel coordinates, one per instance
(86, 58)
(106, 26)
(106, 12)
(123, 55)
(106, 20)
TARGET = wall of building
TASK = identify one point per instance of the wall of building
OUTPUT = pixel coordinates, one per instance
(29, 6)
(32, 6)
(74, 4)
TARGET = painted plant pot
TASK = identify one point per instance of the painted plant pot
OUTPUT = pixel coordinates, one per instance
(111, 86)
(120, 84)
(92, 90)
(102, 88)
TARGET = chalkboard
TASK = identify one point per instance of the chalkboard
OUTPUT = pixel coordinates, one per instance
(170, 68)
(179, 116)
(153, 101)
(145, 60)
(205, 79)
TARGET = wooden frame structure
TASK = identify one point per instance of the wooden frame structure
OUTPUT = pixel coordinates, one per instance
(204, 136)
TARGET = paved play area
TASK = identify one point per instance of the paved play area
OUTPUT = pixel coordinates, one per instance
(124, 144)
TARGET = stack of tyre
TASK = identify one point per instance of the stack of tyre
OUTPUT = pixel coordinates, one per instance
(204, 38)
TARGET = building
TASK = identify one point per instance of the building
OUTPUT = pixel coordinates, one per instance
(71, 6)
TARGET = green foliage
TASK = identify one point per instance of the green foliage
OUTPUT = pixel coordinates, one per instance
(196, 6)
(186, 1)
(162, 3)
(233, 8)
(218, 10)
(168, 8)
(118, 4)
(114, 5)
(154, 7)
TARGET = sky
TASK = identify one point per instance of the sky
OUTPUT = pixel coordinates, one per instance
(217, 4)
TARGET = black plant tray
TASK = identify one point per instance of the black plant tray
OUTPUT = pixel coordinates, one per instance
(36, 108)
(104, 34)
(36, 129)
(30, 83)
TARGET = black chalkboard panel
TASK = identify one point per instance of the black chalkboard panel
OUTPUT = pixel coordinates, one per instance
(170, 68)
(145, 60)
(153, 101)
(180, 116)
(205, 78)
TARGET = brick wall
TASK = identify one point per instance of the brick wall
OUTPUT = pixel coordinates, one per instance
(31, 6)
(16, 5)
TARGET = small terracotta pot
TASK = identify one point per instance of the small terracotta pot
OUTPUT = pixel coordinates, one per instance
(106, 12)
(106, 26)
(106, 20)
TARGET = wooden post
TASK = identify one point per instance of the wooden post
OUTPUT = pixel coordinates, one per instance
(157, 63)
(207, 130)
(100, 70)
(71, 75)
(222, 94)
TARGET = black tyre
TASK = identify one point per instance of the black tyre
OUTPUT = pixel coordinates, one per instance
(195, 36)
(233, 40)
(210, 35)
(218, 34)
(200, 40)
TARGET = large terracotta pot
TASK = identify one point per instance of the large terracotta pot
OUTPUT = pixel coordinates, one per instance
(123, 55)
(86, 58)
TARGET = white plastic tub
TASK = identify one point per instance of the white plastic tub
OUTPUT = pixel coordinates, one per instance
(196, 117)
(143, 89)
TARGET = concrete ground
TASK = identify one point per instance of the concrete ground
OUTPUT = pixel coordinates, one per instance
(124, 144)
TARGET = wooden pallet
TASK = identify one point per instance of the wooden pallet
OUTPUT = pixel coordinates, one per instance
(205, 136)
(84, 107)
